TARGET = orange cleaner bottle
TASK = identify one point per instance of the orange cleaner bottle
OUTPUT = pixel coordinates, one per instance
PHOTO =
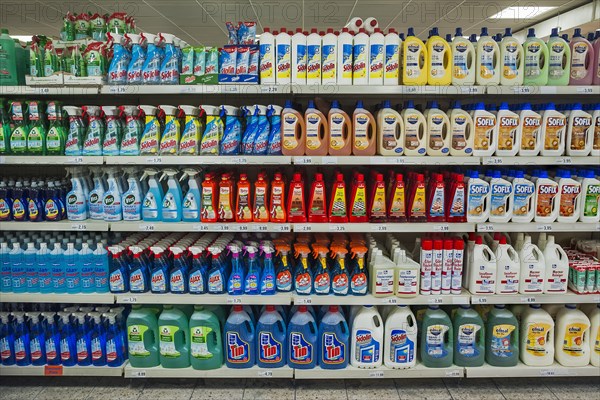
(338, 211)
(261, 199)
(277, 202)
(243, 204)
(209, 199)
(296, 203)
(226, 199)
(317, 203)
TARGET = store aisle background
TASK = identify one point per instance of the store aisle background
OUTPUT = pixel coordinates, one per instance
(568, 388)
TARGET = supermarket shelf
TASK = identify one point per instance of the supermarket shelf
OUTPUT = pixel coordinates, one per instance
(223, 372)
(563, 298)
(524, 371)
(88, 225)
(198, 160)
(48, 90)
(368, 299)
(81, 298)
(141, 226)
(543, 90)
(385, 160)
(350, 372)
(370, 90)
(59, 370)
(195, 89)
(539, 227)
(52, 160)
(386, 227)
(168, 298)
(540, 160)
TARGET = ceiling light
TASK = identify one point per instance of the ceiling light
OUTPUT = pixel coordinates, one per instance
(22, 38)
(521, 12)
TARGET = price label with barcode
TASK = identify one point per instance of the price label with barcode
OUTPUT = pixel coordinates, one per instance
(242, 228)
(154, 160)
(494, 161)
(79, 227)
(303, 300)
(409, 89)
(547, 372)
(441, 228)
(231, 89)
(565, 160)
(485, 228)
(138, 374)
(303, 228)
(435, 300)
(129, 300)
(269, 89)
(528, 300)
(75, 160)
(585, 89)
(337, 228)
(544, 228)
(147, 227)
(480, 300)
(330, 160)
(523, 89)
(266, 374)
(379, 228)
(234, 300)
(222, 227)
(469, 89)
(117, 89)
(260, 228)
(453, 373)
(239, 160)
(283, 228)
(43, 90)
(376, 374)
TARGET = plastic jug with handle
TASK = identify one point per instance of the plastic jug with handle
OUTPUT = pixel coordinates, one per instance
(400, 341)
(367, 338)
(174, 338)
(469, 337)
(512, 59)
(390, 131)
(537, 337)
(415, 128)
(437, 341)
(364, 131)
(572, 337)
(340, 128)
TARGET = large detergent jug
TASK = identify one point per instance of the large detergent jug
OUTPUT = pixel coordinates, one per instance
(439, 59)
(293, 130)
(508, 267)
(174, 339)
(554, 128)
(594, 316)
(302, 340)
(438, 131)
(364, 131)
(400, 341)
(390, 131)
(537, 337)
(559, 60)
(461, 131)
(143, 337)
(533, 268)
(271, 339)
(535, 71)
(333, 340)
(367, 338)
(206, 347)
(340, 130)
(488, 63)
(239, 339)
(484, 125)
(437, 349)
(415, 130)
(580, 132)
(572, 337)
(483, 269)
(512, 59)
(501, 338)
(317, 131)
(414, 60)
(463, 60)
(557, 267)
(582, 60)
(469, 337)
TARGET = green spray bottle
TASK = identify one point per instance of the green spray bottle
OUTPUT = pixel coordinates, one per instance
(18, 136)
(4, 128)
(56, 136)
(51, 62)
(36, 137)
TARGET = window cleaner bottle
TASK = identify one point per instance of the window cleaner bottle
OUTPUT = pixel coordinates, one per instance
(533, 268)
(151, 135)
(271, 339)
(414, 62)
(484, 125)
(392, 47)
(536, 60)
(367, 338)
(299, 57)
(179, 274)
(501, 338)
(513, 59)
(340, 278)
(169, 66)
(111, 202)
(340, 129)
(439, 63)
(240, 339)
(546, 199)
(56, 136)
(232, 133)
(191, 201)
(36, 135)
(78, 207)
(390, 131)
(51, 337)
(345, 44)
(117, 70)
(569, 198)
(268, 279)
(115, 340)
(274, 118)
(580, 132)
(338, 211)
(94, 133)
(463, 60)
(537, 337)
(293, 129)
(131, 199)
(488, 62)
(501, 199)
(132, 131)
(436, 343)
(283, 273)
(554, 128)
(138, 58)
(469, 338)
(82, 340)
(139, 271)
(523, 199)
(461, 131)
(267, 58)
(171, 134)
(152, 205)
(376, 57)
(68, 345)
(87, 268)
(582, 60)
(484, 269)
(217, 276)
(333, 340)
(303, 274)
(360, 58)
(557, 267)
(97, 334)
(508, 267)
(261, 140)
(302, 340)
(438, 131)
(213, 131)
(364, 132)
(32, 282)
(235, 283)
(415, 126)
(114, 131)
(101, 268)
(74, 140)
(590, 198)
(171, 209)
(252, 279)
(317, 129)
(21, 340)
(571, 337)
(18, 277)
(192, 131)
(317, 204)
(559, 60)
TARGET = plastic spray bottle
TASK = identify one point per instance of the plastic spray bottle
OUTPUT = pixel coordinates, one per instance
(172, 201)
(94, 133)
(171, 135)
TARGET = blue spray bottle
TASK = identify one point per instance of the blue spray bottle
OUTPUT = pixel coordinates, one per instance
(178, 276)
(333, 340)
(138, 57)
(322, 281)
(251, 131)
(152, 205)
(358, 275)
(7, 339)
(271, 339)
(139, 272)
(51, 339)
(198, 280)
(191, 201)
(268, 278)
(151, 66)
(117, 70)
(240, 340)
(284, 272)
(97, 339)
(235, 283)
(68, 346)
(216, 275)
(232, 135)
(339, 273)
(159, 275)
(82, 340)
(115, 346)
(22, 350)
(37, 344)
(261, 140)
(302, 340)
(274, 115)
(303, 275)
(169, 68)
(172, 201)
(252, 280)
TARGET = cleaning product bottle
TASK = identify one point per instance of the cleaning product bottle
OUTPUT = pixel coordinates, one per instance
(114, 131)
(20, 129)
(580, 132)
(508, 133)
(151, 136)
(546, 199)
(152, 205)
(437, 349)
(358, 274)
(77, 203)
(174, 339)
(317, 139)
(508, 268)
(213, 132)
(138, 58)
(21, 340)
(456, 200)
(338, 211)
(274, 118)
(340, 279)
(582, 60)
(415, 126)
(216, 275)
(436, 202)
(537, 337)
(208, 212)
(299, 57)
(390, 131)
(303, 275)
(74, 141)
(232, 133)
(283, 57)
(595, 110)
(414, 61)
(56, 136)
(469, 337)
(559, 60)
(10, 65)
(367, 338)
(261, 140)
(461, 131)
(345, 44)
(111, 202)
(192, 131)
(277, 201)
(400, 341)
(463, 60)
(283, 273)
(170, 64)
(171, 134)
(364, 132)
(569, 198)
(131, 199)
(392, 50)
(594, 316)
(340, 130)
(171, 209)
(317, 204)
(590, 198)
(554, 128)
(271, 339)
(139, 271)
(484, 125)
(226, 205)
(501, 199)
(483, 269)
(533, 268)
(296, 202)
(94, 133)
(235, 284)
(488, 62)
(117, 70)
(97, 339)
(252, 279)
(37, 346)
(314, 56)
(132, 132)
(360, 58)
(7, 339)
(302, 340)
(376, 57)
(206, 348)
(397, 200)
(240, 339)
(530, 127)
(36, 136)
(333, 340)
(377, 210)
(571, 337)
(268, 277)
(243, 205)
(267, 57)
(557, 267)
(536, 61)
(439, 63)
(512, 58)
(260, 200)
(191, 201)
(501, 338)
(417, 201)
(438, 131)
(293, 130)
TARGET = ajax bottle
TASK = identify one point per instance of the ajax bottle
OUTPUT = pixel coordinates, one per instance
(400, 341)
(537, 337)
(438, 131)
(293, 130)
(367, 338)
(536, 62)
(415, 127)
(508, 131)
(340, 128)
(174, 339)
(439, 63)
(302, 340)
(436, 341)
(390, 131)
(580, 132)
(569, 199)
(271, 339)
(461, 131)
(484, 125)
(513, 60)
(572, 337)
(363, 134)
(469, 337)
(333, 344)
(501, 338)
(317, 138)
(557, 267)
(415, 60)
(463, 60)
(582, 60)
(488, 62)
(559, 65)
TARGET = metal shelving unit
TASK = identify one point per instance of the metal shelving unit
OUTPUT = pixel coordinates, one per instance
(59, 370)
(368, 299)
(223, 372)
(539, 227)
(87, 225)
(525, 371)
(169, 298)
(350, 372)
(76, 298)
(563, 298)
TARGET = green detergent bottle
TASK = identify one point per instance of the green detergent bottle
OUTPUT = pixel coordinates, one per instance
(8, 60)
(469, 338)
(174, 338)
(142, 337)
(501, 338)
(57, 135)
(436, 339)
(18, 136)
(4, 128)
(36, 138)
(219, 311)
(206, 348)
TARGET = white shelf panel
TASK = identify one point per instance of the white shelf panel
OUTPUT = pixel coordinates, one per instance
(524, 371)
(538, 227)
(48, 90)
(385, 227)
(81, 298)
(350, 372)
(198, 160)
(388, 89)
(223, 372)
(540, 160)
(88, 225)
(385, 160)
(564, 298)
(51, 160)
(543, 90)
(195, 89)
(369, 299)
(169, 298)
(142, 226)
(59, 370)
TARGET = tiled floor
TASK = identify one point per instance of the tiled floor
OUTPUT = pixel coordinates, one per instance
(21, 388)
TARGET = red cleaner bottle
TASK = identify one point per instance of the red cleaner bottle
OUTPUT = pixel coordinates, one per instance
(417, 200)
(338, 211)
(358, 200)
(397, 207)
(455, 208)
(243, 205)
(378, 206)
(317, 203)
(296, 204)
(436, 200)
(209, 199)
(261, 199)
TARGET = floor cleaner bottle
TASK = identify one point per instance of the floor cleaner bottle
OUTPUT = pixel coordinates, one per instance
(364, 131)
(537, 337)
(478, 198)
(400, 340)
(501, 199)
(340, 128)
(460, 131)
(376, 57)
(502, 338)
(414, 63)
(438, 131)
(569, 197)
(572, 337)
(463, 60)
(271, 339)
(437, 342)
(508, 131)
(536, 61)
(392, 49)
(174, 338)
(293, 130)
(554, 128)
(415, 127)
(469, 337)
(488, 63)
(559, 60)
(333, 340)
(590, 198)
(580, 132)
(546, 199)
(513, 60)
(367, 338)
(557, 267)
(439, 60)
(360, 58)
(582, 60)
(484, 136)
(317, 138)
(390, 131)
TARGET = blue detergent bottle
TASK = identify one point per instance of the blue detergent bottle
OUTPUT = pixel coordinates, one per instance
(117, 70)
(115, 341)
(178, 276)
(358, 274)
(37, 344)
(82, 340)
(252, 280)
(240, 339)
(169, 68)
(232, 134)
(302, 340)
(271, 339)
(7, 339)
(97, 339)
(68, 346)
(333, 340)
(32, 281)
(57, 269)
(198, 279)
(261, 140)
(18, 276)
(322, 281)
(268, 277)
(274, 115)
(151, 66)
(172, 201)
(19, 203)
(72, 269)
(22, 350)
(159, 276)
(139, 272)
(35, 203)
(138, 57)
(5, 202)
(191, 201)
(235, 283)
(51, 339)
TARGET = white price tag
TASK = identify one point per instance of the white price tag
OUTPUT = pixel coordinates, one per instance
(200, 228)
(544, 228)
(303, 160)
(222, 227)
(400, 160)
(485, 228)
(239, 160)
(585, 89)
(337, 228)
(523, 90)
(266, 374)
(230, 89)
(480, 300)
(493, 161)
(441, 228)
(75, 160)
(242, 228)
(138, 374)
(376, 374)
(188, 89)
(79, 227)
(303, 228)
(378, 160)
(564, 160)
(435, 300)
(547, 372)
(154, 160)
(528, 300)
(42, 90)
(129, 300)
(234, 300)
(409, 89)
(2, 160)
(453, 373)
(269, 89)
(379, 228)
(117, 89)
(147, 227)
(260, 228)
(389, 300)
(469, 89)
(330, 160)
(283, 228)
(303, 300)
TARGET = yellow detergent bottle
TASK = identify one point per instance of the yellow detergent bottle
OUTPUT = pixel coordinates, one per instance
(488, 60)
(439, 60)
(414, 60)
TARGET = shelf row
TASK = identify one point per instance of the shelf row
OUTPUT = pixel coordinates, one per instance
(419, 371)
(332, 89)
(296, 160)
(290, 298)
(142, 226)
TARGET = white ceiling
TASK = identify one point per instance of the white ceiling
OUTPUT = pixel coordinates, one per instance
(203, 22)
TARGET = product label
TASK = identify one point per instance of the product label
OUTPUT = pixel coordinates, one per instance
(457, 267)
(301, 57)
(314, 125)
(338, 205)
(488, 52)
(359, 205)
(329, 62)
(284, 62)
(215, 283)
(537, 335)
(96, 349)
(338, 131)
(313, 69)
(317, 207)
(545, 199)
(270, 350)
(384, 281)
(150, 208)
(392, 62)
(435, 345)
(398, 205)
(484, 128)
(573, 340)
(322, 281)
(418, 206)
(457, 204)
(334, 350)
(460, 61)
(568, 199)
(339, 282)
(238, 350)
(149, 144)
(135, 336)
(437, 131)
(596, 140)
(35, 348)
(177, 282)
(499, 195)
(117, 284)
(5, 351)
(502, 340)
(467, 340)
(51, 351)
(378, 206)
(301, 351)
(303, 281)
(511, 60)
(476, 199)
(65, 351)
(407, 281)
(347, 61)
(532, 59)
(437, 59)
(20, 353)
(367, 349)
(376, 62)
(190, 139)
(284, 279)
(290, 124)
(82, 349)
(358, 281)
(437, 202)
(132, 207)
(580, 127)
(402, 349)
(522, 198)
(413, 131)
(35, 140)
(199, 342)
(362, 126)
(225, 206)
(136, 281)
(18, 210)
(389, 131)
(591, 201)
(359, 70)
(556, 65)
(579, 55)
(413, 60)
(554, 131)
(208, 211)
(167, 341)
(507, 132)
